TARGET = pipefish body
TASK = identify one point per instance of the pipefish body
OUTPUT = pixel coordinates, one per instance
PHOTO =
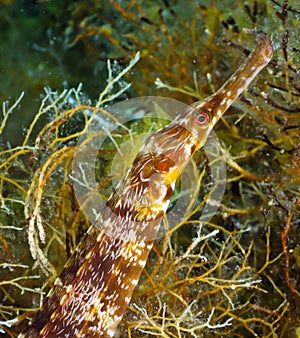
(93, 290)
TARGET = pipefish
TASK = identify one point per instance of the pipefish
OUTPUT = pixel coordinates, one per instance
(90, 295)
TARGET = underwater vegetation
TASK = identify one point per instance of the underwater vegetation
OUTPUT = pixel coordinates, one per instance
(234, 276)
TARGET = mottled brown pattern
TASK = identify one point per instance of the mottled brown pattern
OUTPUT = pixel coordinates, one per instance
(94, 288)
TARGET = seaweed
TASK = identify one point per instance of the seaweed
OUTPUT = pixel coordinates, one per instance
(236, 275)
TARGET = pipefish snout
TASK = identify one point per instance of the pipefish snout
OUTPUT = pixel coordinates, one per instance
(93, 290)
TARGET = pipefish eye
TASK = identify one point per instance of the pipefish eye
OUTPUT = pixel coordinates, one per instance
(202, 118)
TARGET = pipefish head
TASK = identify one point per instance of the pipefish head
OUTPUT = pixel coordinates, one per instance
(201, 117)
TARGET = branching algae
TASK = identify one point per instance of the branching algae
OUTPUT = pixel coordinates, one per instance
(234, 276)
